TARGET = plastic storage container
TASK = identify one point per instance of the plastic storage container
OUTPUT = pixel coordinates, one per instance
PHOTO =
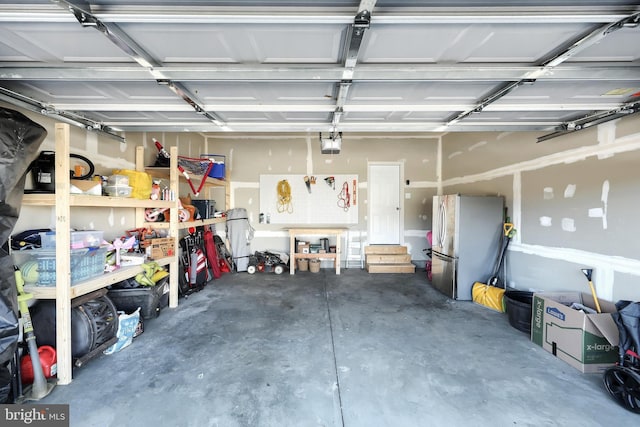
(38, 266)
(150, 299)
(118, 180)
(118, 190)
(518, 304)
(79, 239)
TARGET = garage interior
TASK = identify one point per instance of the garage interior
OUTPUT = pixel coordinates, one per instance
(533, 102)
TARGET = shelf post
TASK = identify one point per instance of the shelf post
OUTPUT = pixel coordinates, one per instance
(173, 227)
(63, 256)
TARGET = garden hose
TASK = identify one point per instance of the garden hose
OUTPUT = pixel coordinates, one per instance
(284, 197)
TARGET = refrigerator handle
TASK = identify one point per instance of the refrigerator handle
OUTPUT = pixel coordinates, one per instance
(442, 223)
(443, 257)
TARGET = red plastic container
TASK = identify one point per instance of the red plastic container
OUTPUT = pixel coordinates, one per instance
(48, 359)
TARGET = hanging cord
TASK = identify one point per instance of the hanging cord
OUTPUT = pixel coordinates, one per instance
(344, 198)
(284, 197)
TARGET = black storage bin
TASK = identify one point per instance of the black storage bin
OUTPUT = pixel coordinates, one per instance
(150, 299)
(518, 305)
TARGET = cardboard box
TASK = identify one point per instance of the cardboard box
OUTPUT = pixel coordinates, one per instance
(161, 248)
(80, 186)
(303, 247)
(588, 342)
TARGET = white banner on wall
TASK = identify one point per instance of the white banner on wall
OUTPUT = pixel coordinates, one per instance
(301, 199)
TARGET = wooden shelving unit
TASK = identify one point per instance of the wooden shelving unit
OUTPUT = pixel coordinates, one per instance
(63, 201)
(335, 256)
(163, 173)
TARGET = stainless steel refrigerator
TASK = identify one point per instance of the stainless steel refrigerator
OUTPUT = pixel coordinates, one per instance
(466, 233)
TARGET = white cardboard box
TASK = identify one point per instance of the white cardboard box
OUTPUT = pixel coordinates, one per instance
(79, 186)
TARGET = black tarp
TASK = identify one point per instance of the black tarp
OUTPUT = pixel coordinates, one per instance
(20, 140)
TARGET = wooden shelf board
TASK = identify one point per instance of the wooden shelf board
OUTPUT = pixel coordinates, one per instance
(98, 282)
(330, 255)
(184, 225)
(41, 199)
(159, 172)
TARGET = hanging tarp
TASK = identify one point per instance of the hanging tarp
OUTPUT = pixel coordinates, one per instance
(627, 319)
(240, 234)
(20, 140)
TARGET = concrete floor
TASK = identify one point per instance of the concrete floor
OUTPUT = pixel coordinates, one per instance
(318, 349)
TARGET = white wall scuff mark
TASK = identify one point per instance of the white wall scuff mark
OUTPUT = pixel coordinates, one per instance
(91, 143)
(570, 191)
(607, 136)
(111, 218)
(602, 212)
(604, 198)
(477, 145)
(596, 213)
(454, 154)
(568, 224)
(309, 157)
(516, 216)
(547, 193)
(545, 221)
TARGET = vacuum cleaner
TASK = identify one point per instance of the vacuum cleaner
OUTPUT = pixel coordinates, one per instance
(43, 172)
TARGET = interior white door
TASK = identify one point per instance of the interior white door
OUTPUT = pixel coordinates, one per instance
(384, 206)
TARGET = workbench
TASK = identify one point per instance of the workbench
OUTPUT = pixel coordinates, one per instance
(293, 232)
